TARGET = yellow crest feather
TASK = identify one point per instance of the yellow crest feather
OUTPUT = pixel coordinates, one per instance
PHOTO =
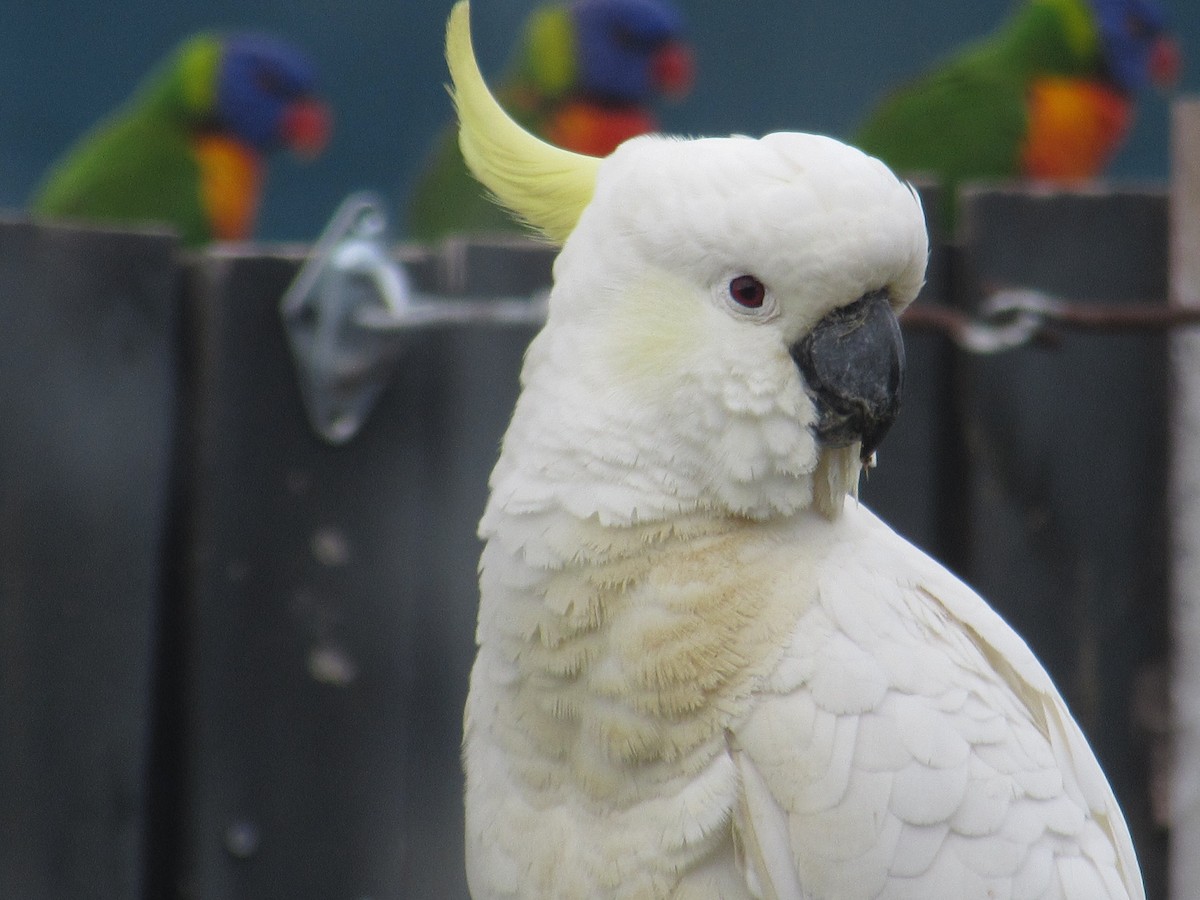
(541, 184)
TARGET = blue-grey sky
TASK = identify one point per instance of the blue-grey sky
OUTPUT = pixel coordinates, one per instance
(763, 66)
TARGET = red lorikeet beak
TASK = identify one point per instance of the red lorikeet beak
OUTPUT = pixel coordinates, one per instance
(1165, 63)
(674, 69)
(306, 127)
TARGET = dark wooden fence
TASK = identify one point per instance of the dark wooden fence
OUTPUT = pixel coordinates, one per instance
(233, 657)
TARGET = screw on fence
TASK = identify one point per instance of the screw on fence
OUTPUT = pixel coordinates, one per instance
(242, 839)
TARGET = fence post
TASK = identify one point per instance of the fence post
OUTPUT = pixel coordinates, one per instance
(333, 592)
(87, 364)
(1184, 793)
(1066, 473)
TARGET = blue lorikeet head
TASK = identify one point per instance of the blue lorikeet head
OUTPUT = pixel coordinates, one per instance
(630, 50)
(1137, 48)
(266, 95)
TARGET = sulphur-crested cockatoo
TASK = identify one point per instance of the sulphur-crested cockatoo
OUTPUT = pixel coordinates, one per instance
(705, 670)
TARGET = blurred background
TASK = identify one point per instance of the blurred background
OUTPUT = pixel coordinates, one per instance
(761, 66)
(233, 655)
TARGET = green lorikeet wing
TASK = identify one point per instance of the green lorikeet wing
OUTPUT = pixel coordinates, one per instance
(136, 170)
(966, 121)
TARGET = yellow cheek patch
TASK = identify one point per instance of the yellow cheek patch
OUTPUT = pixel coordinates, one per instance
(199, 59)
(654, 330)
(230, 185)
(551, 39)
(1079, 26)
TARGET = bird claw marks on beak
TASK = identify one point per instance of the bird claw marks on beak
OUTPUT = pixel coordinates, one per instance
(853, 367)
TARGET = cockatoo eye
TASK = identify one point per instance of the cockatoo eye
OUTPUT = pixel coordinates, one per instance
(747, 291)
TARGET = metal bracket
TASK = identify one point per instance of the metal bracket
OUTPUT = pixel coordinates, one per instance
(351, 312)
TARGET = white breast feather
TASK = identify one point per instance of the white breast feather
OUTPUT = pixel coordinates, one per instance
(966, 779)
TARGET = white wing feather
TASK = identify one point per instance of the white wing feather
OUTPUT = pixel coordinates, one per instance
(911, 745)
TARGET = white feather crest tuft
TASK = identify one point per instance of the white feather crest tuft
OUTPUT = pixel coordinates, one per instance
(543, 185)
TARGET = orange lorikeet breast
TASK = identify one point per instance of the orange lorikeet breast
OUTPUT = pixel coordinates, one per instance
(1074, 128)
(230, 185)
(596, 130)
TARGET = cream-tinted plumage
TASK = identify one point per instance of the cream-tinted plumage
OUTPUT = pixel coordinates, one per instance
(704, 670)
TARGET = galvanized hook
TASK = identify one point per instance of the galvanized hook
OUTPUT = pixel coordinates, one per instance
(342, 367)
(351, 312)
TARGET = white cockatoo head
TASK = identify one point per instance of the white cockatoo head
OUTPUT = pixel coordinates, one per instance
(722, 334)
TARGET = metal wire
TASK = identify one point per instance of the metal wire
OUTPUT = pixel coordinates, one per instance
(1017, 317)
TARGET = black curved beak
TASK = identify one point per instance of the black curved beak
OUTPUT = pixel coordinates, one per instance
(853, 368)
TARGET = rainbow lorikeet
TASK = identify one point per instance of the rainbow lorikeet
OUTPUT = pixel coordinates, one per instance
(189, 148)
(583, 76)
(1050, 96)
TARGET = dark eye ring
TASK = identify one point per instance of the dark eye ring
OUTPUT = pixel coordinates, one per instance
(747, 291)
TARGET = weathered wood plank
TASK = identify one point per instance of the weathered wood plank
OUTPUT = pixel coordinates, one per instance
(87, 364)
(333, 603)
(1181, 795)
